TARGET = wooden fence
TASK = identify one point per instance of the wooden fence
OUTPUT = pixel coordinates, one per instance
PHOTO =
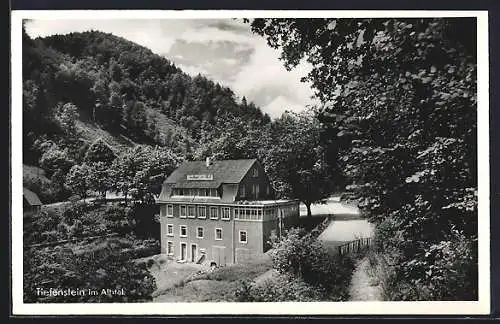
(354, 246)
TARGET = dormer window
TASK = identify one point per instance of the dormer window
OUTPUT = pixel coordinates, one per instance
(196, 192)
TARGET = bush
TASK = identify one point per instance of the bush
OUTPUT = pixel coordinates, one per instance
(280, 289)
(141, 249)
(301, 256)
(118, 219)
(446, 270)
(104, 268)
(44, 226)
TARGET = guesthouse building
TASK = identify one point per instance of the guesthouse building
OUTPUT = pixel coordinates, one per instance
(221, 212)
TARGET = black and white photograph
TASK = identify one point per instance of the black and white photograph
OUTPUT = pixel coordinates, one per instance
(283, 162)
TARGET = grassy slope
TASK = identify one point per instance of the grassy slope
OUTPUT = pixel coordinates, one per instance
(217, 286)
(90, 132)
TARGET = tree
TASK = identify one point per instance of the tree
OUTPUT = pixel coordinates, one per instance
(115, 110)
(400, 94)
(157, 164)
(77, 180)
(143, 168)
(100, 151)
(295, 161)
(66, 115)
(99, 177)
(232, 137)
(55, 159)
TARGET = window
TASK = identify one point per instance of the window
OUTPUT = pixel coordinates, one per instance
(213, 192)
(255, 173)
(170, 247)
(191, 211)
(199, 232)
(218, 234)
(214, 213)
(226, 213)
(256, 190)
(202, 212)
(242, 191)
(243, 236)
(183, 212)
(170, 230)
(170, 211)
(183, 231)
(268, 190)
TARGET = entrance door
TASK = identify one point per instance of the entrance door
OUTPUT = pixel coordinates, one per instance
(194, 254)
(183, 251)
(219, 255)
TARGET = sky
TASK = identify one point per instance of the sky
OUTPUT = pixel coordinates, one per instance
(224, 50)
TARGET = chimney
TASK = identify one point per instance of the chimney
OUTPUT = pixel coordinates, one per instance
(207, 161)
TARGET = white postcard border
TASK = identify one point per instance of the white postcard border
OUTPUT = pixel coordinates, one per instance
(289, 308)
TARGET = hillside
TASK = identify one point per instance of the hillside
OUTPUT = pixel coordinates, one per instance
(81, 87)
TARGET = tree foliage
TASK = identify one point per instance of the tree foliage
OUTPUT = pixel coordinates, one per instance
(296, 161)
(96, 81)
(307, 271)
(60, 268)
(290, 148)
(78, 180)
(99, 151)
(120, 86)
(141, 170)
(399, 106)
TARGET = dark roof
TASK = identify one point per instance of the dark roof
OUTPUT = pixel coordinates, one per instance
(225, 171)
(31, 197)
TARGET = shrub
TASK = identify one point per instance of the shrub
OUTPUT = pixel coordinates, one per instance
(280, 289)
(301, 256)
(42, 223)
(118, 219)
(103, 268)
(446, 270)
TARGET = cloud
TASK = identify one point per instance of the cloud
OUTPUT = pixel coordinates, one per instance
(207, 34)
(265, 72)
(278, 105)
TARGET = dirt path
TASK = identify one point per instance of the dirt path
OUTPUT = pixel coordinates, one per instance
(363, 286)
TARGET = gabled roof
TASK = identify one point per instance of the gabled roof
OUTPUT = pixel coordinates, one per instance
(31, 197)
(225, 171)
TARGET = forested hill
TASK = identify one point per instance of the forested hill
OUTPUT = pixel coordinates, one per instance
(124, 89)
(85, 87)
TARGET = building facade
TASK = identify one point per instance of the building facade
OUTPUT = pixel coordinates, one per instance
(221, 212)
